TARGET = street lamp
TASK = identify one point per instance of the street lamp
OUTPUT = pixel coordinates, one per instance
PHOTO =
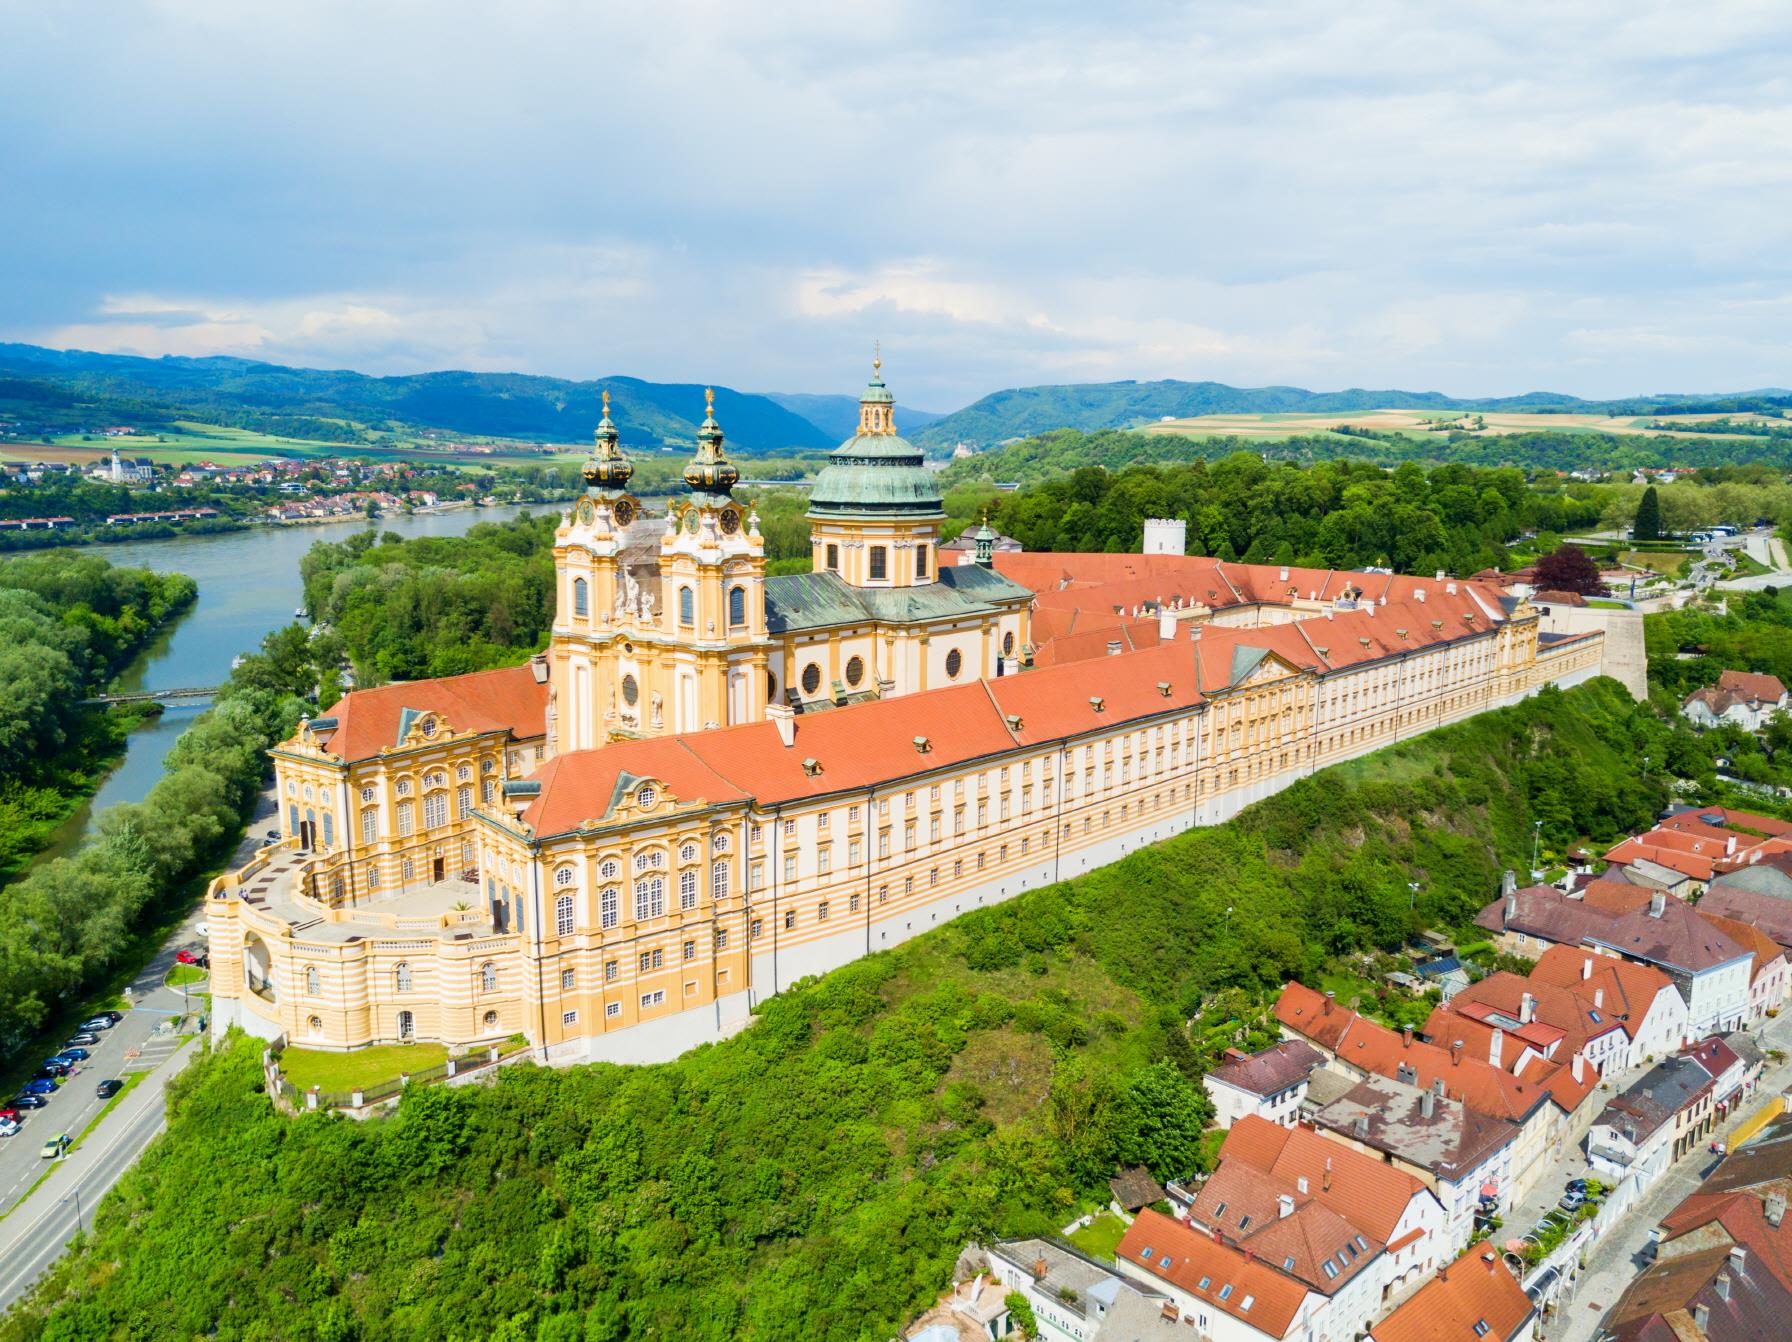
(1536, 843)
(80, 1220)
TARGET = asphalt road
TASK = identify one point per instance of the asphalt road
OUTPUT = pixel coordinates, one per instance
(34, 1236)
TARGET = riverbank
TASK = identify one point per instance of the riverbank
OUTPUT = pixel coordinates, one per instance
(34, 806)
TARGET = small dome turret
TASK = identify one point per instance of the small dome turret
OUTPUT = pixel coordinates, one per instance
(876, 473)
(710, 475)
(608, 471)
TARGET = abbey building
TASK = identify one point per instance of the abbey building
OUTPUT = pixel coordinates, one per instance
(716, 782)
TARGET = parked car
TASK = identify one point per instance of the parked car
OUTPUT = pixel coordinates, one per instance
(73, 1055)
(113, 1016)
(84, 1037)
(39, 1086)
(107, 1089)
(1577, 1186)
(9, 1111)
(53, 1149)
(97, 1023)
(8, 1126)
(272, 836)
(52, 1072)
(1572, 1201)
(30, 1099)
(187, 957)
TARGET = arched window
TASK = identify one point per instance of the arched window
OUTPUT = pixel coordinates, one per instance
(317, 1024)
(607, 907)
(405, 821)
(329, 831)
(563, 876)
(488, 977)
(407, 1025)
(718, 880)
(920, 561)
(737, 605)
(687, 606)
(311, 980)
(650, 898)
(563, 916)
(833, 558)
(581, 597)
(463, 801)
(687, 890)
(401, 977)
(370, 825)
(292, 821)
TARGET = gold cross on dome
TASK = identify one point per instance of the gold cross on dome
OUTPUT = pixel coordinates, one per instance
(709, 399)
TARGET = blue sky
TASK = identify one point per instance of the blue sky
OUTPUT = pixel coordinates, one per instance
(1478, 198)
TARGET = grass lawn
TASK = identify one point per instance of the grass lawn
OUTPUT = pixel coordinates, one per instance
(183, 974)
(343, 1072)
(1100, 1237)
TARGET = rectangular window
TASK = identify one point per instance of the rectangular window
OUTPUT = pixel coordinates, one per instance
(608, 913)
(613, 1010)
(463, 802)
(833, 557)
(569, 1018)
(754, 929)
(790, 829)
(824, 859)
(654, 998)
(721, 938)
(651, 960)
(854, 853)
(370, 825)
(405, 820)
(920, 561)
(958, 820)
(883, 843)
(789, 867)
(690, 950)
(880, 563)
(821, 821)
(908, 834)
(933, 830)
(611, 969)
(821, 911)
(852, 904)
(789, 919)
(568, 980)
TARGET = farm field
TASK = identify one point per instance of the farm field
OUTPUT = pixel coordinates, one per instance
(224, 446)
(1416, 423)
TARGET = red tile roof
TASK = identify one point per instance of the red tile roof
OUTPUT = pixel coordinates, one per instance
(1357, 1186)
(1477, 1289)
(1185, 1257)
(484, 701)
(1765, 949)
(1754, 684)
(1621, 991)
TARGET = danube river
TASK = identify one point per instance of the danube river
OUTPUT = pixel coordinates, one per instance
(248, 587)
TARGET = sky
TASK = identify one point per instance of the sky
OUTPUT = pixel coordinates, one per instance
(1481, 199)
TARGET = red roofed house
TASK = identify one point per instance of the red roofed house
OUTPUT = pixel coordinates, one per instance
(1270, 1083)
(1474, 1299)
(1223, 1293)
(716, 781)
(1341, 1221)
(1743, 699)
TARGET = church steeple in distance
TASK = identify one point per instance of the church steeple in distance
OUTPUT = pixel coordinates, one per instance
(710, 475)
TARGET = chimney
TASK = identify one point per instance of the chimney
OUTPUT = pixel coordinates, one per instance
(1284, 1205)
(1419, 595)
(1658, 903)
(1301, 1185)
(1586, 969)
(1406, 1036)
(1325, 1185)
(1739, 1260)
(1039, 1269)
(1166, 625)
(1508, 882)
(783, 717)
(1527, 1009)
(1723, 1285)
(1441, 575)
(1456, 1054)
(1730, 846)
(1427, 1103)
(1598, 998)
(1359, 1129)
(1775, 1209)
(1701, 1319)
(1578, 1067)
(1496, 1047)
(1328, 1003)
(1437, 1087)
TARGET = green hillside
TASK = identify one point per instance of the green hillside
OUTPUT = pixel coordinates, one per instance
(814, 1177)
(341, 406)
(1023, 411)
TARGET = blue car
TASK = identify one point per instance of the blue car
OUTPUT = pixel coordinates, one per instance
(40, 1088)
(72, 1055)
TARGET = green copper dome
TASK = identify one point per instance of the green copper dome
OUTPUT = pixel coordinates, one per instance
(607, 472)
(876, 473)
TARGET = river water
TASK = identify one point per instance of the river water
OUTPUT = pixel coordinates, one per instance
(248, 587)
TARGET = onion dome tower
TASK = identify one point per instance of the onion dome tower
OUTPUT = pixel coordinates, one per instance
(710, 476)
(608, 471)
(875, 510)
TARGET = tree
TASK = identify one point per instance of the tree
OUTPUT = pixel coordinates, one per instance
(1569, 570)
(1648, 517)
(1164, 1118)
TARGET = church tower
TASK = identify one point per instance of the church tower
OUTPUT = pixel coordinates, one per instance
(712, 602)
(875, 511)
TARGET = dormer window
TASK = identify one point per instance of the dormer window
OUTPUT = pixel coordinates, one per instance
(645, 797)
(427, 727)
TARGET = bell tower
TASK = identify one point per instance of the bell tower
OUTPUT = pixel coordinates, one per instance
(712, 594)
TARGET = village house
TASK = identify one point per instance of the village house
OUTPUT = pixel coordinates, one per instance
(1641, 1001)
(1221, 1292)
(1745, 699)
(1474, 1299)
(1076, 1299)
(1656, 1120)
(1269, 1084)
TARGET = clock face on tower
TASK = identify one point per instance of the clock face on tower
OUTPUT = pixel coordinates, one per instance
(730, 521)
(625, 512)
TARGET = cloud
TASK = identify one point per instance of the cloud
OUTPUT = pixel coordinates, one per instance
(1481, 198)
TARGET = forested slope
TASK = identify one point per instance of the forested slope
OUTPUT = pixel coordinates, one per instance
(814, 1177)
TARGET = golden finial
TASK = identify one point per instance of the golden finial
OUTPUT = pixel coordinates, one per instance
(606, 402)
(877, 356)
(709, 399)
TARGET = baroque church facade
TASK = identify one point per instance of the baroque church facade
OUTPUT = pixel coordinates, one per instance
(715, 782)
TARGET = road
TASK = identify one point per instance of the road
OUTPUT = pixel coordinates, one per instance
(36, 1233)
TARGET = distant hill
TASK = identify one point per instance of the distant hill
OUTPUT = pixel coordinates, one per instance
(278, 399)
(1022, 412)
(838, 416)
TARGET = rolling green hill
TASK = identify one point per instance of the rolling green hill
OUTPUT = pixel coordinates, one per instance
(1023, 411)
(341, 406)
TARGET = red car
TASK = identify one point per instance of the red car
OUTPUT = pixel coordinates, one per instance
(186, 957)
(9, 1112)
